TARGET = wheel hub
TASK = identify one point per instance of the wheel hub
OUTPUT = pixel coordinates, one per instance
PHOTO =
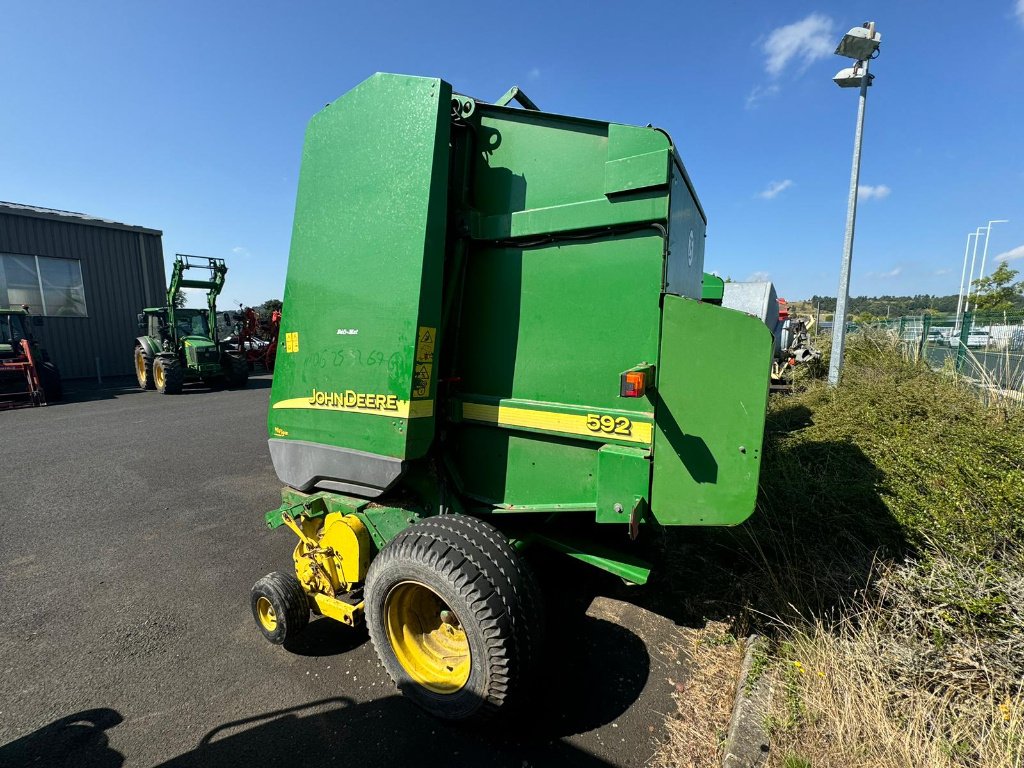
(427, 637)
(265, 613)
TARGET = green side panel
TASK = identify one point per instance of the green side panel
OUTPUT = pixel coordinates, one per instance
(521, 185)
(365, 272)
(624, 477)
(687, 227)
(713, 290)
(552, 326)
(637, 158)
(710, 412)
(510, 470)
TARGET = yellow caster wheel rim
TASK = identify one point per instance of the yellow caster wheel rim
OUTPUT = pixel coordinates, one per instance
(265, 613)
(427, 637)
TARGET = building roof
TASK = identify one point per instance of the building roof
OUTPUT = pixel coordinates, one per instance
(37, 212)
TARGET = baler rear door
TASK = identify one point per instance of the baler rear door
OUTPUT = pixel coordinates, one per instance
(709, 413)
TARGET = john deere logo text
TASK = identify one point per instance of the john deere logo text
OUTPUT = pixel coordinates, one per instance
(350, 399)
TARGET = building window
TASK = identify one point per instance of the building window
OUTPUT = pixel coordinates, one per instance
(48, 286)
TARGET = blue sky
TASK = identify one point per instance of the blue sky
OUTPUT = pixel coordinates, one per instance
(189, 117)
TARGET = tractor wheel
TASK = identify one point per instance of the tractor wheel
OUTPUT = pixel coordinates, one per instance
(454, 615)
(168, 376)
(143, 368)
(237, 371)
(280, 606)
(49, 377)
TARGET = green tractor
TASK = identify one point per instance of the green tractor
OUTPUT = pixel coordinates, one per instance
(180, 345)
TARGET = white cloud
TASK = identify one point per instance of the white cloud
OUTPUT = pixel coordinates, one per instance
(759, 277)
(940, 272)
(774, 189)
(803, 41)
(894, 272)
(799, 43)
(1019, 10)
(534, 73)
(759, 92)
(866, 191)
(1013, 253)
(241, 251)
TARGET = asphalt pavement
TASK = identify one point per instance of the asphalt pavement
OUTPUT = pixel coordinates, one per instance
(131, 531)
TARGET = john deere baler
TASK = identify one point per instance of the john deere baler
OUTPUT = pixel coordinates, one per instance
(493, 340)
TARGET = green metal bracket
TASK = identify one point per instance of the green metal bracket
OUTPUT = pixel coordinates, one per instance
(630, 569)
(516, 93)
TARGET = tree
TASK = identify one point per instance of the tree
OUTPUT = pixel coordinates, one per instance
(997, 292)
(267, 308)
(180, 299)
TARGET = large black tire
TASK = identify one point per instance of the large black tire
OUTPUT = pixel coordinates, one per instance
(168, 375)
(237, 369)
(143, 368)
(473, 572)
(49, 377)
(279, 606)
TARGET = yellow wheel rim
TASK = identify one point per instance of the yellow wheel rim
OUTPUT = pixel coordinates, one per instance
(265, 613)
(427, 637)
(140, 366)
(158, 375)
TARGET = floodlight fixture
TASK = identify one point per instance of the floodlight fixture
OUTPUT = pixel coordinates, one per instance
(853, 77)
(860, 42)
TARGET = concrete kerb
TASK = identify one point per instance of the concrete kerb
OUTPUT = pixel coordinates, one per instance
(746, 745)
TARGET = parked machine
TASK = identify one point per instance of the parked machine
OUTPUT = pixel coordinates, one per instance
(493, 343)
(180, 345)
(27, 375)
(254, 336)
(791, 334)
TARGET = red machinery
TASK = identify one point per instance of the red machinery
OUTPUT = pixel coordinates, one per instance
(257, 339)
(21, 367)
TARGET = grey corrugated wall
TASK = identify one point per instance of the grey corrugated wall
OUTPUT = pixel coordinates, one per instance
(123, 271)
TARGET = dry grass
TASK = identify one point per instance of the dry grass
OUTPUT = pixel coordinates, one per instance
(703, 699)
(844, 706)
(886, 558)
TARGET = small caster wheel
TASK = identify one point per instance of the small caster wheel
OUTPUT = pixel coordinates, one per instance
(280, 606)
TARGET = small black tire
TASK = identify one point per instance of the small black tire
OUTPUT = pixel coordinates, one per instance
(279, 606)
(473, 572)
(49, 378)
(143, 368)
(237, 369)
(168, 376)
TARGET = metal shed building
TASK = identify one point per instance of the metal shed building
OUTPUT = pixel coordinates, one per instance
(89, 278)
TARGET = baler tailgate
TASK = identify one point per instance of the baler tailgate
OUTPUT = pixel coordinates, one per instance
(709, 414)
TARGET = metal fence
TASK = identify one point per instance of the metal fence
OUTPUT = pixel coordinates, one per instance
(988, 347)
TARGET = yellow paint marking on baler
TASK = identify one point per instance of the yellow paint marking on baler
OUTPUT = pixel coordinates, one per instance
(403, 409)
(621, 428)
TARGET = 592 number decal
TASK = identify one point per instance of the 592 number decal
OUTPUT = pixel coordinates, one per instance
(609, 425)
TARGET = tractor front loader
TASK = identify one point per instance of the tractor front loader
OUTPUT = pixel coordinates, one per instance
(27, 375)
(493, 342)
(179, 345)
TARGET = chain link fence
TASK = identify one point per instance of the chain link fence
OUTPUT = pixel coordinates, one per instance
(987, 347)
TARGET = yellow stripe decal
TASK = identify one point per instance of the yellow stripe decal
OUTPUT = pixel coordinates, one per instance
(403, 408)
(590, 425)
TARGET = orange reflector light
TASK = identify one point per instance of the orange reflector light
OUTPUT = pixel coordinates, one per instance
(633, 384)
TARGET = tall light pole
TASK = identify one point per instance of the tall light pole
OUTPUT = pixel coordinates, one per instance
(861, 45)
(988, 231)
(974, 258)
(963, 274)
